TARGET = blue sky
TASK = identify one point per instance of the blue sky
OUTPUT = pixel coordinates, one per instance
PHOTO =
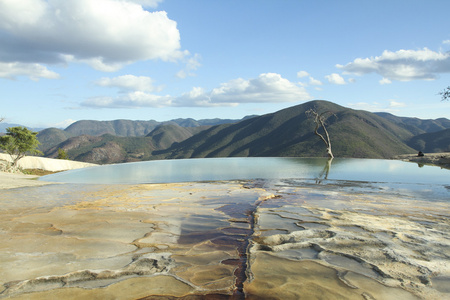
(68, 60)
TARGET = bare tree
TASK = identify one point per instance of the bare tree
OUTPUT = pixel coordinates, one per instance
(320, 120)
(445, 94)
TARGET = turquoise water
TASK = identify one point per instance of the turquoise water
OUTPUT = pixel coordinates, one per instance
(216, 169)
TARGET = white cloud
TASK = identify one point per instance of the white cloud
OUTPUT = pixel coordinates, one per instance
(447, 42)
(129, 82)
(313, 81)
(266, 88)
(106, 34)
(63, 124)
(147, 3)
(385, 81)
(402, 65)
(192, 64)
(302, 74)
(34, 71)
(335, 79)
(396, 104)
(135, 99)
(391, 106)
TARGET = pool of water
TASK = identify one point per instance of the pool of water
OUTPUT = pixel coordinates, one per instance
(215, 169)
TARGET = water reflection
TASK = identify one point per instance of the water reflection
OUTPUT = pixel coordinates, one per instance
(326, 170)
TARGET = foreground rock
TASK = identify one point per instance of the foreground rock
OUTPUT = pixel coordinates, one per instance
(256, 239)
(12, 181)
(436, 159)
(47, 164)
(17, 180)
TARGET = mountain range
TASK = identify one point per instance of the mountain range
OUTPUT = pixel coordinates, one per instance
(288, 132)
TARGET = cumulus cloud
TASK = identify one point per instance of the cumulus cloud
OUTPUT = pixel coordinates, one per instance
(106, 34)
(266, 88)
(192, 64)
(147, 3)
(301, 74)
(402, 65)
(313, 81)
(63, 124)
(135, 99)
(129, 82)
(391, 106)
(11, 70)
(335, 79)
(395, 104)
(385, 81)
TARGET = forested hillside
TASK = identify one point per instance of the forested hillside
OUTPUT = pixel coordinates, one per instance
(289, 132)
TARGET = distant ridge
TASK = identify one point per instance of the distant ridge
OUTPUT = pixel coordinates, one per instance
(416, 125)
(109, 148)
(432, 142)
(127, 128)
(288, 132)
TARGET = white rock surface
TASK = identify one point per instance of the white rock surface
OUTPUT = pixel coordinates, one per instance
(47, 164)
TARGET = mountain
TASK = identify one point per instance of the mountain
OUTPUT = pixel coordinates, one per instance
(160, 135)
(290, 132)
(431, 142)
(108, 148)
(134, 128)
(417, 126)
(165, 135)
(116, 127)
(104, 149)
(51, 137)
(3, 127)
(206, 122)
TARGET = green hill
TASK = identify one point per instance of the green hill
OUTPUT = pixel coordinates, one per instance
(128, 128)
(431, 142)
(165, 135)
(289, 132)
(417, 126)
(108, 148)
(51, 137)
(116, 127)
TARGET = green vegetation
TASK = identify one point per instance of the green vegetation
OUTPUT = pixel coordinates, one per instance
(19, 141)
(52, 137)
(62, 154)
(432, 142)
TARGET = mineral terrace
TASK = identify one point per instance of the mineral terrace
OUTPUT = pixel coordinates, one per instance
(227, 240)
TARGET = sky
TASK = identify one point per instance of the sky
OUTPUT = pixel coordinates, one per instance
(67, 60)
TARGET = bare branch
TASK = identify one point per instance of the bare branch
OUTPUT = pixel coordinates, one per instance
(320, 120)
(445, 94)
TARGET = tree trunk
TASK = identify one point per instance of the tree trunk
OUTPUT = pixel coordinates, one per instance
(320, 122)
